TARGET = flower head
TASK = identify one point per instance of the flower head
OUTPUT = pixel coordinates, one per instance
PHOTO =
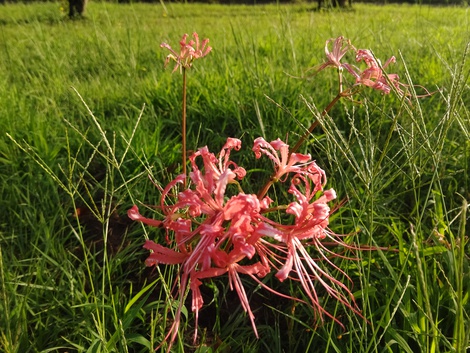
(210, 232)
(341, 46)
(278, 152)
(374, 75)
(189, 51)
(215, 230)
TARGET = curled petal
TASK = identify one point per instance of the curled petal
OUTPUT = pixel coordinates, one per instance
(329, 194)
(278, 152)
(133, 213)
(261, 146)
(341, 46)
(178, 180)
(202, 49)
(368, 58)
(162, 255)
(265, 202)
(241, 249)
(188, 198)
(224, 157)
(241, 204)
(189, 51)
(389, 61)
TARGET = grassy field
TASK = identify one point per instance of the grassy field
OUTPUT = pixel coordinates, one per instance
(87, 111)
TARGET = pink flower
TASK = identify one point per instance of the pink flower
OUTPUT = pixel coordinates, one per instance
(340, 47)
(310, 213)
(211, 233)
(309, 228)
(216, 168)
(278, 152)
(188, 52)
(374, 76)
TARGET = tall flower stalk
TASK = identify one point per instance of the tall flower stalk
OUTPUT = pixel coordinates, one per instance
(373, 76)
(183, 125)
(189, 51)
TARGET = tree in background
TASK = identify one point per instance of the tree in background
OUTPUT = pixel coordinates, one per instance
(77, 7)
(334, 3)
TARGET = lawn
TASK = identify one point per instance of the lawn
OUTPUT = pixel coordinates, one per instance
(88, 112)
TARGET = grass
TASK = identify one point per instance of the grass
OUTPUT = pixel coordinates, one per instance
(68, 286)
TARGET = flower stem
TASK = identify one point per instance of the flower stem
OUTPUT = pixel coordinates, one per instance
(264, 190)
(316, 122)
(183, 125)
(262, 193)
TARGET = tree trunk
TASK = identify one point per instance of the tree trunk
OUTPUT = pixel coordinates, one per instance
(77, 7)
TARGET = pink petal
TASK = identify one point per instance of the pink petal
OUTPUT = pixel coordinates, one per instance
(162, 255)
(133, 213)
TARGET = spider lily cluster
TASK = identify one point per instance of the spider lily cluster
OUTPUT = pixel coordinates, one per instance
(189, 51)
(214, 228)
(373, 76)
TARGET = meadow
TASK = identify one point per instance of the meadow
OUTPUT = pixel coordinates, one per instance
(88, 111)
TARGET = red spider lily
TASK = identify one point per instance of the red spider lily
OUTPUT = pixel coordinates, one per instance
(188, 52)
(278, 152)
(340, 47)
(308, 230)
(374, 76)
(311, 214)
(211, 233)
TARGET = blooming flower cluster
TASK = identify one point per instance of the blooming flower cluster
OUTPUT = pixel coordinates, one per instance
(189, 51)
(373, 75)
(214, 228)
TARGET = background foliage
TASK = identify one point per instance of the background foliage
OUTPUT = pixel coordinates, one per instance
(321, 3)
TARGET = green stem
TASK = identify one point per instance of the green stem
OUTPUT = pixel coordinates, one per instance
(265, 188)
(459, 335)
(316, 122)
(312, 127)
(183, 125)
